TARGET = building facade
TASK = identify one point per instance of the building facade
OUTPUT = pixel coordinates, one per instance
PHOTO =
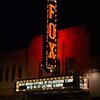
(73, 54)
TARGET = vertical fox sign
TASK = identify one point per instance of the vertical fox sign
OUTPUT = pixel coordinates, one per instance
(51, 36)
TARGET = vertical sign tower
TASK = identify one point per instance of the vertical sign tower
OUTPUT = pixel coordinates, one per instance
(51, 37)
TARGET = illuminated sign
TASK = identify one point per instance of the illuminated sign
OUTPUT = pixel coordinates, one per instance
(45, 84)
(53, 83)
(51, 36)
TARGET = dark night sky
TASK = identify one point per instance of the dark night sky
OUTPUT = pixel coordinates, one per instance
(20, 20)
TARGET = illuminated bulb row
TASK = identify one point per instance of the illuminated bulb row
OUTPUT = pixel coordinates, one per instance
(47, 34)
(56, 14)
(50, 68)
(46, 52)
(47, 22)
(36, 80)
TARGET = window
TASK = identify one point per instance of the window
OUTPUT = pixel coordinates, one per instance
(70, 64)
(57, 69)
(6, 73)
(19, 72)
(40, 69)
(1, 74)
(13, 73)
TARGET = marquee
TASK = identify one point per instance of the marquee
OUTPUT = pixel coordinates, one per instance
(51, 83)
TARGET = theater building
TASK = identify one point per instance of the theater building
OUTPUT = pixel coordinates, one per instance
(73, 55)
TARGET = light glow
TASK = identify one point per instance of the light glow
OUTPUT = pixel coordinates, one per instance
(52, 31)
(41, 84)
(51, 10)
(51, 54)
(51, 35)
